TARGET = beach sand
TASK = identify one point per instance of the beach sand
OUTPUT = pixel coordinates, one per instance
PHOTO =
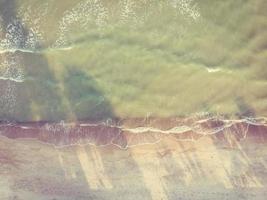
(209, 168)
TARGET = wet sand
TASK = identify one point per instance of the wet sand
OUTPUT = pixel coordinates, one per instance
(215, 166)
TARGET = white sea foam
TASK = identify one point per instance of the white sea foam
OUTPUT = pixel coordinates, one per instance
(18, 80)
(3, 51)
(186, 7)
(174, 130)
(213, 70)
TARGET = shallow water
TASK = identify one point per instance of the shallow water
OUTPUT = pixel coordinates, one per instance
(99, 60)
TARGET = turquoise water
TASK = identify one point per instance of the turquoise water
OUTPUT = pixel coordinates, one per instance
(99, 59)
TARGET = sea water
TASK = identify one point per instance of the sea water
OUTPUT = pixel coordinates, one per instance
(123, 59)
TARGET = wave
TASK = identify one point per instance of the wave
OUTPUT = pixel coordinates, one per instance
(124, 135)
(17, 80)
(3, 51)
(216, 70)
(34, 51)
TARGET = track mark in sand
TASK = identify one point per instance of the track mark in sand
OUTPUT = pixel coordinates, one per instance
(93, 169)
(152, 177)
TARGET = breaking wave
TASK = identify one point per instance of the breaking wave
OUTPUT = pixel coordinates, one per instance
(131, 132)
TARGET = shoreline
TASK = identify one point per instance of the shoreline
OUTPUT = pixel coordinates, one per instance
(135, 132)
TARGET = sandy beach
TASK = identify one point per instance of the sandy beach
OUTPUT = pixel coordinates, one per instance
(220, 166)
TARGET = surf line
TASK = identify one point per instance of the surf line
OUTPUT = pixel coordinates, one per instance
(37, 51)
(11, 79)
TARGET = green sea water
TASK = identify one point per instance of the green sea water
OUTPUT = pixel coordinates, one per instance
(101, 59)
